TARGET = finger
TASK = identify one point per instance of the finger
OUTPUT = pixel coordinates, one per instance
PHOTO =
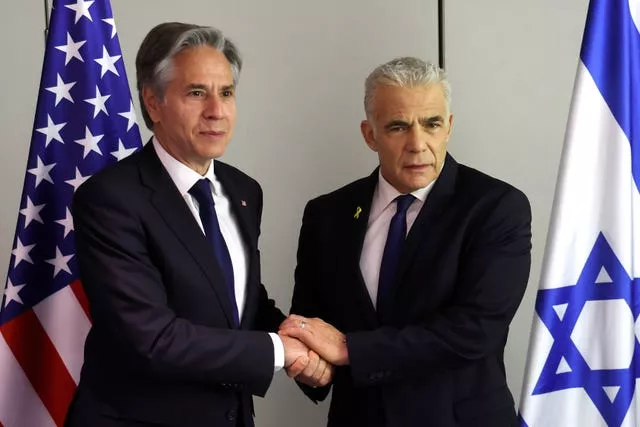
(311, 368)
(327, 376)
(299, 321)
(293, 324)
(294, 319)
(287, 323)
(297, 367)
(283, 322)
(295, 332)
(289, 332)
(319, 372)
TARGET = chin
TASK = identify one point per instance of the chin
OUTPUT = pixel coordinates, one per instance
(418, 184)
(213, 152)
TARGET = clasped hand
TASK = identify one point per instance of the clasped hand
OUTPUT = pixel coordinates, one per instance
(312, 346)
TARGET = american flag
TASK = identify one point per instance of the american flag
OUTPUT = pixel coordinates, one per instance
(84, 120)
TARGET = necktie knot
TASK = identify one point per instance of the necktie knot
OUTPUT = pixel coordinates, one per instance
(403, 202)
(201, 191)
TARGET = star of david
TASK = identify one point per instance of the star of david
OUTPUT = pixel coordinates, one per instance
(572, 299)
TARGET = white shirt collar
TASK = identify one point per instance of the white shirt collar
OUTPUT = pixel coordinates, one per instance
(182, 175)
(385, 194)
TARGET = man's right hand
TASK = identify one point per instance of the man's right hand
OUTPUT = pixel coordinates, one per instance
(296, 355)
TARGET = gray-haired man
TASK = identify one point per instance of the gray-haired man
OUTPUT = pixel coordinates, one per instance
(416, 271)
(167, 244)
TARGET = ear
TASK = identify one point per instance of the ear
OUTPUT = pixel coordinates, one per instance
(151, 103)
(367, 133)
(450, 126)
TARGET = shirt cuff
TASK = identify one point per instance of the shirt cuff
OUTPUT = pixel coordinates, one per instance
(278, 352)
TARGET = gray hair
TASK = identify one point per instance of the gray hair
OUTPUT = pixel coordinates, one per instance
(406, 72)
(154, 62)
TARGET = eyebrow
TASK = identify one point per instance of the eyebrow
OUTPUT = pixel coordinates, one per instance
(395, 123)
(196, 86)
(204, 87)
(423, 121)
(432, 119)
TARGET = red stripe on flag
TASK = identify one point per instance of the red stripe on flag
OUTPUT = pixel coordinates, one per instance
(41, 363)
(78, 291)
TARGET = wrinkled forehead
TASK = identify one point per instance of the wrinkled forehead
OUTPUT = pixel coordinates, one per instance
(199, 64)
(420, 101)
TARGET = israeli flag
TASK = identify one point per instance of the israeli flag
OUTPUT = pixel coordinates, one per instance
(584, 356)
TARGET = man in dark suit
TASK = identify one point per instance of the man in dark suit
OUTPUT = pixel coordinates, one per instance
(416, 271)
(167, 246)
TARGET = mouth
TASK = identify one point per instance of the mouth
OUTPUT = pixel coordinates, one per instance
(418, 167)
(214, 135)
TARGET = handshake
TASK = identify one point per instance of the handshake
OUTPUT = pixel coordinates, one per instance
(312, 348)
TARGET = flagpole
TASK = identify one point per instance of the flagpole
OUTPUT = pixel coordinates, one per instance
(47, 12)
(441, 34)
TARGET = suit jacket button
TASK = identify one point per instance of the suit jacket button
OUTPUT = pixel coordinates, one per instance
(232, 415)
(376, 376)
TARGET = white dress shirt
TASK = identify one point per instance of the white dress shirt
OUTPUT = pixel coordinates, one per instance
(383, 207)
(184, 178)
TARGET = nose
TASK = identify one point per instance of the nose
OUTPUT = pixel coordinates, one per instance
(215, 108)
(417, 139)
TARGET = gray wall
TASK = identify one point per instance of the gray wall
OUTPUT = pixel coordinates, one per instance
(511, 63)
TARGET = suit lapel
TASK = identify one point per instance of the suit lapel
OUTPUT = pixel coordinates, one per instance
(170, 205)
(244, 214)
(356, 214)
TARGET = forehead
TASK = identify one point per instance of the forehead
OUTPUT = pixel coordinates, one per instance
(397, 101)
(202, 64)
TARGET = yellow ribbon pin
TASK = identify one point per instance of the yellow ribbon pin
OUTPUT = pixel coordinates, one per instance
(358, 212)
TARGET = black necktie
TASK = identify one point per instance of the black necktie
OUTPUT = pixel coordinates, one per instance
(392, 251)
(201, 191)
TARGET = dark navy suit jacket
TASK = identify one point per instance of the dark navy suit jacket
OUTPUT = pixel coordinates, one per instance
(163, 350)
(436, 360)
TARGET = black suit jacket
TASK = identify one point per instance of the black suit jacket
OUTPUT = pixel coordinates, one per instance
(162, 349)
(437, 358)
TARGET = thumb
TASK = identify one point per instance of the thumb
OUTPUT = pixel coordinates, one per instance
(298, 366)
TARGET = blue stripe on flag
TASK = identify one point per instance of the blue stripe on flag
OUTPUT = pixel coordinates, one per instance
(611, 53)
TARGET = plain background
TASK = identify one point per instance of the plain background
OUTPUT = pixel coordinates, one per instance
(511, 64)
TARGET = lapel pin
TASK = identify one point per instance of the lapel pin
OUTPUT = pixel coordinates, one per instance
(243, 203)
(358, 212)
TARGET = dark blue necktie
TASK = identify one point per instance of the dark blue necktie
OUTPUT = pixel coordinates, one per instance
(392, 251)
(201, 191)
